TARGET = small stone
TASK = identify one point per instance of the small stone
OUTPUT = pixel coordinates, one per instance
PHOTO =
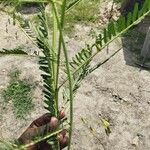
(2, 87)
(135, 141)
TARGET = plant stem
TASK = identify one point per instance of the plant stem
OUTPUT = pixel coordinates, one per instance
(73, 5)
(54, 64)
(68, 73)
(54, 43)
(59, 52)
(71, 92)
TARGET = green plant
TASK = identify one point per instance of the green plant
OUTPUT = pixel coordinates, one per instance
(54, 48)
(19, 92)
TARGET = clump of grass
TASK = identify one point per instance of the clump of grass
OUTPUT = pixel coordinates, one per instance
(19, 92)
(85, 12)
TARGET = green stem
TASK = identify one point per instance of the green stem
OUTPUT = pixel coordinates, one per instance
(54, 43)
(69, 77)
(54, 64)
(73, 5)
(71, 92)
(59, 52)
(68, 73)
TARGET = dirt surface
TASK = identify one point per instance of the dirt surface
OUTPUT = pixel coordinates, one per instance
(116, 92)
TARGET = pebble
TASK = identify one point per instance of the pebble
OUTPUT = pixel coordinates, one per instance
(135, 141)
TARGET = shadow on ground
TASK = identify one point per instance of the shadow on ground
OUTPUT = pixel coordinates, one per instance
(134, 39)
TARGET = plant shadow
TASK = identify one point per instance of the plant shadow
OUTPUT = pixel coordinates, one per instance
(133, 41)
(28, 8)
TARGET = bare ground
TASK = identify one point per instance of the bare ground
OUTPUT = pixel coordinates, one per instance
(115, 92)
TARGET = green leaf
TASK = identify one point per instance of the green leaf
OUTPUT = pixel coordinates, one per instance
(99, 40)
(105, 35)
(15, 51)
(129, 18)
(45, 69)
(135, 12)
(111, 30)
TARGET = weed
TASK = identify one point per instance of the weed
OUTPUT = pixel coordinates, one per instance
(19, 92)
